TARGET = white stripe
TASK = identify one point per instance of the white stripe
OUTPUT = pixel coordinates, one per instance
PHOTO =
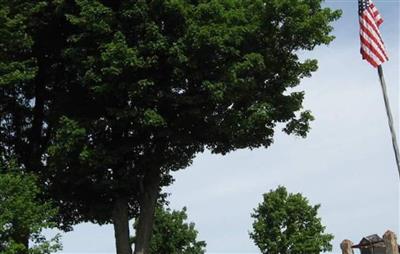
(367, 38)
(372, 31)
(371, 54)
(377, 17)
(370, 18)
(374, 27)
(374, 9)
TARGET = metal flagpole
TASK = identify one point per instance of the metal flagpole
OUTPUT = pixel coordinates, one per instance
(390, 117)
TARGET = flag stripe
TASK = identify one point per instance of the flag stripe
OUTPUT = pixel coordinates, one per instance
(368, 57)
(376, 18)
(372, 46)
(370, 34)
(370, 23)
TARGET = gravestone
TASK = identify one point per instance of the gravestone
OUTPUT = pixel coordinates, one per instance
(346, 247)
(373, 244)
(391, 242)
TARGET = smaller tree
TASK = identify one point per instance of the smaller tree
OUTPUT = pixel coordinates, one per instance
(23, 216)
(173, 235)
(286, 223)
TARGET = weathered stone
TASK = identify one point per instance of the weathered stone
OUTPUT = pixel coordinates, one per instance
(391, 242)
(346, 247)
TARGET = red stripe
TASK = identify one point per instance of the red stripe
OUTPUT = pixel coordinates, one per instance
(372, 25)
(372, 6)
(374, 12)
(372, 46)
(372, 49)
(373, 15)
(368, 58)
(379, 22)
(371, 18)
(367, 29)
(377, 41)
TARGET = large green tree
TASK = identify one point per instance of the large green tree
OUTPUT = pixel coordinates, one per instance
(172, 234)
(287, 223)
(102, 99)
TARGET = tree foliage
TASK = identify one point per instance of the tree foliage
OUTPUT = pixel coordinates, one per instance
(23, 216)
(153, 83)
(287, 223)
(172, 234)
(102, 99)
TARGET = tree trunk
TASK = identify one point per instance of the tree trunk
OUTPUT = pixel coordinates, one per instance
(148, 203)
(121, 226)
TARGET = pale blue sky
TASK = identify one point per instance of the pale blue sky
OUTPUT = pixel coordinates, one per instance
(346, 164)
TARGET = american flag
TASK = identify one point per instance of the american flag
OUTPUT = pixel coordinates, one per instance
(372, 46)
